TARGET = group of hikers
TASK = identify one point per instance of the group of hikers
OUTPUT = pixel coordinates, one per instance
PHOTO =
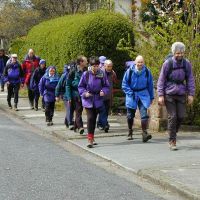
(90, 86)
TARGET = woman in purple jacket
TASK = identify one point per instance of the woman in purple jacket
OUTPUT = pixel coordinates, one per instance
(175, 83)
(93, 86)
(47, 86)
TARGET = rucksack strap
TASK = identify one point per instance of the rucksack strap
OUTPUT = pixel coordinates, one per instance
(171, 69)
(130, 76)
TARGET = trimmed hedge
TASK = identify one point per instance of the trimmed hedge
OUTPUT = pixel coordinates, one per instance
(62, 39)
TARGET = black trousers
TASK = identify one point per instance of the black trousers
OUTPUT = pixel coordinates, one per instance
(13, 89)
(36, 97)
(91, 119)
(30, 95)
(49, 110)
(78, 108)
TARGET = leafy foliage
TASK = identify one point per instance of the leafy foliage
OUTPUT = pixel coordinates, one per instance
(154, 43)
(62, 39)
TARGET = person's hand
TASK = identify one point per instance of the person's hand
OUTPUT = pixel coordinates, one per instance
(87, 94)
(102, 93)
(69, 102)
(190, 100)
(57, 99)
(161, 101)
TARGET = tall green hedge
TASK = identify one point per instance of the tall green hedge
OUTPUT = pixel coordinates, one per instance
(62, 39)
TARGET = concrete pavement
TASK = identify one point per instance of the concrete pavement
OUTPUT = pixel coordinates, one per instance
(176, 171)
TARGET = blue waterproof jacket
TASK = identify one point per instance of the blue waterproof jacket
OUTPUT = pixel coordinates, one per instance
(138, 85)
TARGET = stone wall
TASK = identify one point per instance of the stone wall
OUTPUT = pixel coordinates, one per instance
(158, 116)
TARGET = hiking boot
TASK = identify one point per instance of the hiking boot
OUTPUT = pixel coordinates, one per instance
(172, 145)
(130, 135)
(10, 105)
(36, 106)
(106, 129)
(31, 105)
(81, 131)
(51, 123)
(48, 123)
(146, 136)
(15, 107)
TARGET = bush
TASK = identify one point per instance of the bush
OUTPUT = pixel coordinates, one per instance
(62, 39)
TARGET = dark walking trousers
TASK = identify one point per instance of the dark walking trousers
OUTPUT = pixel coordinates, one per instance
(176, 110)
(49, 110)
(13, 89)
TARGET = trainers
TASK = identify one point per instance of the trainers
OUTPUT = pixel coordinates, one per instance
(172, 145)
(101, 128)
(146, 136)
(71, 127)
(81, 131)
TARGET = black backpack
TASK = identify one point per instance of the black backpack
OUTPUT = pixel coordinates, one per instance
(68, 70)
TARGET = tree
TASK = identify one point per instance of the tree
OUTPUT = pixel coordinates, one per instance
(16, 20)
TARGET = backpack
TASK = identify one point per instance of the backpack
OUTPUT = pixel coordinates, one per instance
(63, 83)
(68, 69)
(146, 75)
(171, 69)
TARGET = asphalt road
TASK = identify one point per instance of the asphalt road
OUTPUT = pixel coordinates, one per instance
(35, 168)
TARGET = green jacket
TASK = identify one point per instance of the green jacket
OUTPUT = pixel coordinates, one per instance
(72, 83)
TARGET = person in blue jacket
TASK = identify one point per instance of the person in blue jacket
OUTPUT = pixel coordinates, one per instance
(47, 86)
(61, 93)
(13, 77)
(137, 84)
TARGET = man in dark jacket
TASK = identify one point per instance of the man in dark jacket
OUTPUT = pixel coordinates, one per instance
(3, 61)
(34, 82)
(73, 96)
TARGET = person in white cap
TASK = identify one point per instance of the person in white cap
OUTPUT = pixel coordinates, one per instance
(13, 77)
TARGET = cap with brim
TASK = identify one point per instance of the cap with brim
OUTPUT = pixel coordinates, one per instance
(14, 55)
(102, 59)
(42, 61)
